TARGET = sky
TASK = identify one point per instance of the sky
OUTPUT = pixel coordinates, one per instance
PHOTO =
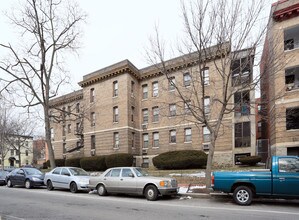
(115, 30)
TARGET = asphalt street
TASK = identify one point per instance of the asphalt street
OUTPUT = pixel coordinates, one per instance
(20, 203)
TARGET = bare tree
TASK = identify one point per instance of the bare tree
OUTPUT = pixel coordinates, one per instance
(225, 34)
(34, 69)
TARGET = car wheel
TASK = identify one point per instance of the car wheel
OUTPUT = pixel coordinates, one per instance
(28, 184)
(49, 185)
(102, 190)
(73, 187)
(242, 195)
(151, 193)
(9, 184)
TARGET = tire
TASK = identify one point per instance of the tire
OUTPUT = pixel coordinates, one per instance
(243, 195)
(151, 193)
(49, 185)
(28, 184)
(102, 190)
(9, 184)
(73, 187)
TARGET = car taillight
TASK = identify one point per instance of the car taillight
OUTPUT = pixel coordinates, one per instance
(212, 180)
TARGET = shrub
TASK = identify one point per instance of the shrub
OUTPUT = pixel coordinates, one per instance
(119, 160)
(96, 163)
(183, 159)
(250, 160)
(60, 162)
(73, 162)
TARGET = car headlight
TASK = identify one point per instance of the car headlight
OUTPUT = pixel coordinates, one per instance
(36, 179)
(83, 181)
(165, 183)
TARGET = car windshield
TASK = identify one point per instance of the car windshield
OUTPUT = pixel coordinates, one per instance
(33, 172)
(140, 172)
(78, 172)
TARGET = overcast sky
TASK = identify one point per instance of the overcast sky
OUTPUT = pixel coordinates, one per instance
(115, 30)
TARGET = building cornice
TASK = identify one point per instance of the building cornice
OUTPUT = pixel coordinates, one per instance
(68, 98)
(286, 13)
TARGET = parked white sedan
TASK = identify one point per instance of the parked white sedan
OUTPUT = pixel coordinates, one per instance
(72, 178)
(133, 180)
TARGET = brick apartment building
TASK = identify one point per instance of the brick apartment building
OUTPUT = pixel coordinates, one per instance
(280, 79)
(122, 109)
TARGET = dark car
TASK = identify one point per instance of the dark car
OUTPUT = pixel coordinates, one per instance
(3, 174)
(28, 177)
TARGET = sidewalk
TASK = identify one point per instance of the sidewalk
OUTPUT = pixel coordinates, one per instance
(197, 191)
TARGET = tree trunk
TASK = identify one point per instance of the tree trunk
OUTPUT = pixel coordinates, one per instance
(210, 163)
(48, 138)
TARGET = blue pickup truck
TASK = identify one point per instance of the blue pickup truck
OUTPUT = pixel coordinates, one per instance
(280, 179)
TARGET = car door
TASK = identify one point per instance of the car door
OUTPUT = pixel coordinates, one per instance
(65, 178)
(111, 180)
(13, 176)
(127, 181)
(54, 177)
(286, 181)
(20, 177)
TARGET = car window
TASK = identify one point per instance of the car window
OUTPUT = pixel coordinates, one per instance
(32, 172)
(140, 172)
(56, 171)
(108, 174)
(126, 172)
(115, 172)
(289, 165)
(78, 172)
(65, 172)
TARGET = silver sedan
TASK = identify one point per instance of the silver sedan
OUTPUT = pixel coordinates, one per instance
(133, 180)
(72, 178)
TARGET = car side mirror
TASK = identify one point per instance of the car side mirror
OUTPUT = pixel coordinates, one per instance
(131, 175)
(67, 174)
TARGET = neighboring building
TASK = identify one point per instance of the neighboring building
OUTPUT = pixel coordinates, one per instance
(280, 79)
(40, 152)
(121, 109)
(21, 153)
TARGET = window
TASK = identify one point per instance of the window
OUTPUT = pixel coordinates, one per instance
(92, 95)
(115, 172)
(63, 130)
(144, 91)
(241, 71)
(291, 38)
(207, 108)
(292, 118)
(17, 152)
(156, 139)
(126, 173)
(187, 79)
(242, 103)
(172, 136)
(171, 83)
(132, 113)
(63, 113)
(115, 114)
(188, 135)
(26, 152)
(57, 171)
(155, 89)
(77, 127)
(69, 110)
(133, 140)
(64, 148)
(145, 115)
(206, 134)
(65, 172)
(292, 78)
(92, 142)
(132, 87)
(155, 114)
(78, 107)
(259, 126)
(12, 152)
(187, 107)
(115, 88)
(93, 118)
(172, 110)
(289, 165)
(69, 128)
(206, 76)
(145, 140)
(52, 133)
(115, 140)
(242, 134)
